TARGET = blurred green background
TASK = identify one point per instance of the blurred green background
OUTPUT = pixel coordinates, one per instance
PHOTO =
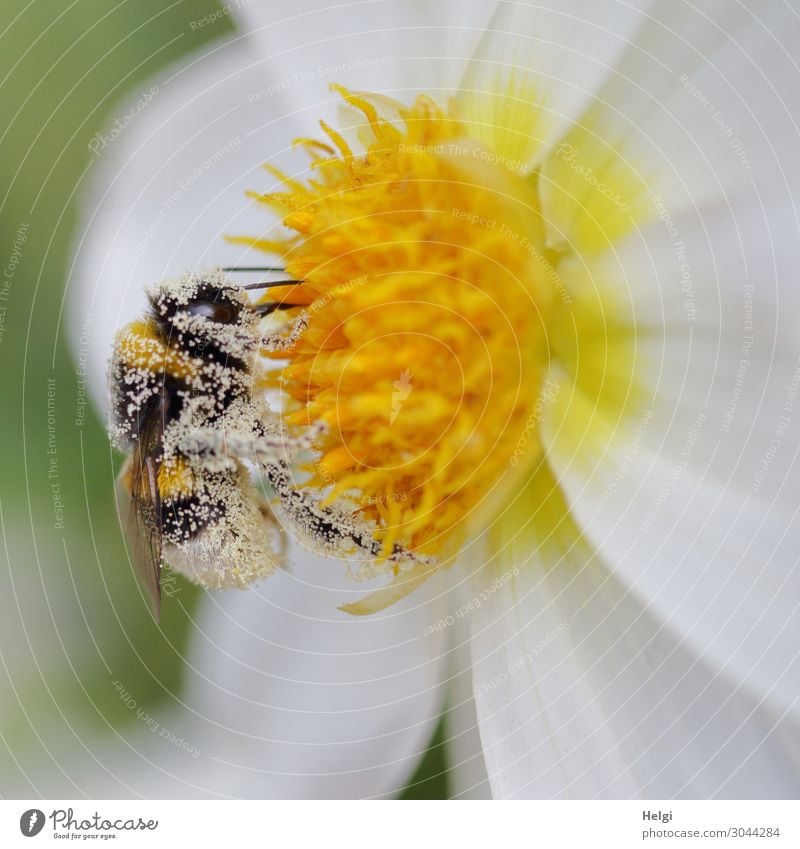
(67, 618)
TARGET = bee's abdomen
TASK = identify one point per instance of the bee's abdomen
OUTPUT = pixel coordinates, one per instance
(188, 514)
(186, 518)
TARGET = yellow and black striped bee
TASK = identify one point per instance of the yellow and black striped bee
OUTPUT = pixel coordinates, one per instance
(187, 405)
(182, 379)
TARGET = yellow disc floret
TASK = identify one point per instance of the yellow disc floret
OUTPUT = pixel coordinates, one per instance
(427, 297)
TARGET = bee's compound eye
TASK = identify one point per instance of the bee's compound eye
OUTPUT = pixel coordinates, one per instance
(216, 311)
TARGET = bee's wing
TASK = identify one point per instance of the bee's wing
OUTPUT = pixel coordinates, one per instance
(140, 512)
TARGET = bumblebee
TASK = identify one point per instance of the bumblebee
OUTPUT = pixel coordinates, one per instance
(181, 378)
(187, 406)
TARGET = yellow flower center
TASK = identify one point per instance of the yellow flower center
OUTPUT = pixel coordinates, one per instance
(427, 294)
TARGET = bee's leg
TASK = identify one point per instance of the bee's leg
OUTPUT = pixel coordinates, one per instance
(329, 529)
(286, 336)
(208, 445)
(264, 446)
(268, 514)
(269, 447)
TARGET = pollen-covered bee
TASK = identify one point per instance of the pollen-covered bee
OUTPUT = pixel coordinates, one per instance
(183, 377)
(186, 403)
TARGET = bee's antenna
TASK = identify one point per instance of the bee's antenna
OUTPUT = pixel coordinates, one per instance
(271, 284)
(266, 309)
(254, 268)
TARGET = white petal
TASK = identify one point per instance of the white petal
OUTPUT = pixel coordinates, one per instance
(582, 693)
(286, 697)
(693, 498)
(392, 47)
(702, 107)
(468, 778)
(547, 63)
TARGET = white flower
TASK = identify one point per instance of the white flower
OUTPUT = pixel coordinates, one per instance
(631, 612)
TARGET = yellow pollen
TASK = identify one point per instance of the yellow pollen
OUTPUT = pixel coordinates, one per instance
(141, 347)
(427, 302)
(175, 479)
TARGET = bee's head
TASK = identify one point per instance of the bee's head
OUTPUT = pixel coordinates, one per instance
(203, 312)
(206, 296)
(217, 305)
